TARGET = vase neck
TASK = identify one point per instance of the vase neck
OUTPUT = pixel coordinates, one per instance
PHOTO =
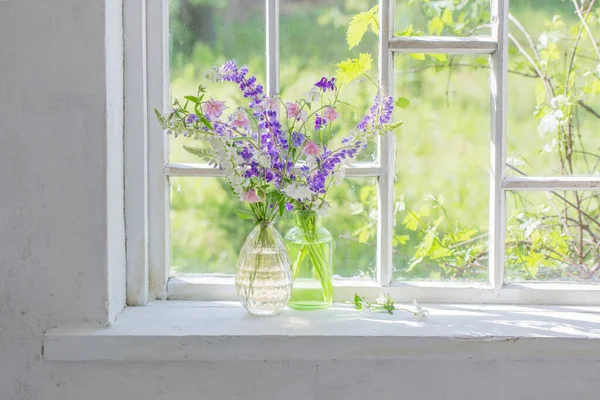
(306, 220)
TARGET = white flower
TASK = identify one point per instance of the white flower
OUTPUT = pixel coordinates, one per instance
(382, 299)
(421, 313)
(263, 160)
(356, 208)
(550, 122)
(298, 191)
(313, 95)
(550, 147)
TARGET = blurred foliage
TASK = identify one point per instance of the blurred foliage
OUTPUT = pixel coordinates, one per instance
(442, 151)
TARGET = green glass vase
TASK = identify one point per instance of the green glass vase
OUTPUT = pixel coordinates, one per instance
(311, 249)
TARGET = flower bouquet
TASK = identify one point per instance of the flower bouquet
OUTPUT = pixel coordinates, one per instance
(277, 158)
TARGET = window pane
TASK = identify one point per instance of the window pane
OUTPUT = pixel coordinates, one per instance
(552, 125)
(312, 42)
(208, 33)
(553, 236)
(442, 18)
(206, 235)
(442, 168)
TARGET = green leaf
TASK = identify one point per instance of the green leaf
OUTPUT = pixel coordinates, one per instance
(245, 214)
(207, 155)
(366, 192)
(402, 102)
(412, 265)
(358, 302)
(439, 57)
(411, 221)
(447, 17)
(206, 122)
(417, 56)
(352, 68)
(364, 235)
(193, 99)
(359, 24)
(401, 239)
(435, 26)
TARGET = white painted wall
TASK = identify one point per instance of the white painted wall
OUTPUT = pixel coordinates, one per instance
(60, 226)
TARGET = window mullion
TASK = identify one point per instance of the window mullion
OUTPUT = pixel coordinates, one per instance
(136, 151)
(157, 23)
(498, 98)
(385, 224)
(272, 29)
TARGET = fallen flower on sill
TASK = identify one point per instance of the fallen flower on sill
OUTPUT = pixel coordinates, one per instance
(385, 303)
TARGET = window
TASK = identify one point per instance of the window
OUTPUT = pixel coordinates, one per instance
(490, 192)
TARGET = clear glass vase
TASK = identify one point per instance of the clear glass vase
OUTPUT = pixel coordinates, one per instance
(311, 251)
(263, 278)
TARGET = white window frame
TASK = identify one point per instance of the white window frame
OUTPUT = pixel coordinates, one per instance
(147, 169)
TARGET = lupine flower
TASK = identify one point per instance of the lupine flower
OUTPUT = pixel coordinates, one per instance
(251, 196)
(289, 206)
(239, 119)
(330, 114)
(213, 109)
(312, 149)
(191, 118)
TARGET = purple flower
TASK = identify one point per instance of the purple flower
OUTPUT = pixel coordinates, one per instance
(289, 206)
(298, 139)
(319, 123)
(325, 85)
(316, 182)
(191, 119)
(246, 154)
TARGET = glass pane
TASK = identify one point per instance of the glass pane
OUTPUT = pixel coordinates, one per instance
(552, 122)
(442, 168)
(312, 42)
(442, 18)
(352, 221)
(553, 236)
(208, 33)
(206, 235)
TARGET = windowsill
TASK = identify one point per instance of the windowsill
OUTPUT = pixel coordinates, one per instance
(211, 331)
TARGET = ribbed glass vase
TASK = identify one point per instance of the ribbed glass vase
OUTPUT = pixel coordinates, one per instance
(263, 278)
(311, 250)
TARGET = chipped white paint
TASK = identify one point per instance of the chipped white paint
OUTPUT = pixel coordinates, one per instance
(553, 183)
(443, 44)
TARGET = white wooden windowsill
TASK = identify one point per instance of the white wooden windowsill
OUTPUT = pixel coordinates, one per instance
(184, 331)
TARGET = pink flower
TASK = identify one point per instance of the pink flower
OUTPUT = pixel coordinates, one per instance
(271, 103)
(303, 116)
(250, 196)
(312, 149)
(292, 109)
(213, 109)
(330, 114)
(239, 119)
(294, 112)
